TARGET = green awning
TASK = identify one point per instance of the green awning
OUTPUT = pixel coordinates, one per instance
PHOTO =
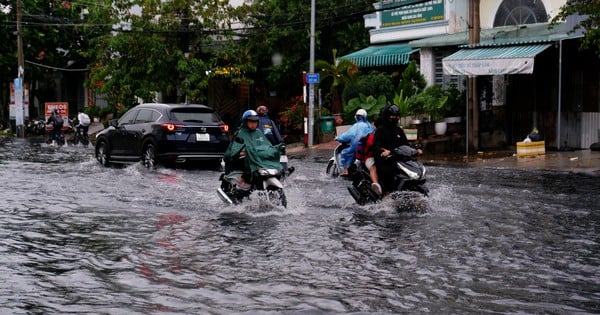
(379, 56)
(493, 60)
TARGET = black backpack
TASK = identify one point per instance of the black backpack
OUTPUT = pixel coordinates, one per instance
(58, 120)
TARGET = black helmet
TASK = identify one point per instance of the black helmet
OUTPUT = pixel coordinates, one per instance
(390, 110)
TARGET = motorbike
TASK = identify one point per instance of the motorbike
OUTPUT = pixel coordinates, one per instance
(409, 177)
(58, 139)
(266, 182)
(78, 134)
(35, 127)
(334, 166)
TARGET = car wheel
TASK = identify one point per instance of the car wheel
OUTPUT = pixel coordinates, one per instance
(102, 153)
(148, 157)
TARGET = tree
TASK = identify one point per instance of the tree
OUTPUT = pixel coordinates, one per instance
(341, 72)
(589, 14)
(281, 28)
(155, 46)
(52, 37)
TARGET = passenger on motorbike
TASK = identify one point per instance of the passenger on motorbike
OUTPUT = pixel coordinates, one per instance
(352, 136)
(267, 126)
(249, 151)
(57, 122)
(388, 136)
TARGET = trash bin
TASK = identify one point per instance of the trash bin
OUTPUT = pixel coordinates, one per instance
(327, 124)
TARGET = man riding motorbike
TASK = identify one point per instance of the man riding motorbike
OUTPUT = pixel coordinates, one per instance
(57, 122)
(249, 151)
(388, 136)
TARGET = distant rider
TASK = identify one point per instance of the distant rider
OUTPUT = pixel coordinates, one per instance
(388, 136)
(352, 136)
(249, 151)
(83, 123)
(56, 121)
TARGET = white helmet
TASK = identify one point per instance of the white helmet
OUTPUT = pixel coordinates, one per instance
(361, 112)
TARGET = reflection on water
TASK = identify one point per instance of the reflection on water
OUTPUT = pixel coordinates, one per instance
(79, 238)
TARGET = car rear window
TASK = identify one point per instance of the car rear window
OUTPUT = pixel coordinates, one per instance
(194, 115)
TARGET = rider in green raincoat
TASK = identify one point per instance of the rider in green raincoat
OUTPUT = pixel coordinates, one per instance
(249, 151)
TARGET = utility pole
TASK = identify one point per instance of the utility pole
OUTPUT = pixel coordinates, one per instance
(18, 84)
(311, 85)
(473, 108)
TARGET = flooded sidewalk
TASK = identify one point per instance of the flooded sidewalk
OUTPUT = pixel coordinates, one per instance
(580, 161)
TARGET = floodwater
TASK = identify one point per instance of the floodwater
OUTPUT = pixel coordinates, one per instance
(79, 238)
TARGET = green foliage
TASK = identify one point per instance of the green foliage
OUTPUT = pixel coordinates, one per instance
(369, 103)
(403, 104)
(588, 13)
(412, 81)
(164, 49)
(373, 83)
(456, 103)
(340, 73)
(431, 101)
(283, 27)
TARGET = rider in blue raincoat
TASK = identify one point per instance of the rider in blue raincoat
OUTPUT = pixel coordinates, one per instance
(352, 136)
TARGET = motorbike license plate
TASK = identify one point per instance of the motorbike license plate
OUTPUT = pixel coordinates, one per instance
(283, 159)
(202, 137)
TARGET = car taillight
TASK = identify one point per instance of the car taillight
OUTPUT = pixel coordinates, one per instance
(224, 128)
(170, 127)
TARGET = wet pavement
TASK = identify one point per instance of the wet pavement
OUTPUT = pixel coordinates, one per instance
(578, 161)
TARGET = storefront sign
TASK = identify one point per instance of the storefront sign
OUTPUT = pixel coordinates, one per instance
(405, 12)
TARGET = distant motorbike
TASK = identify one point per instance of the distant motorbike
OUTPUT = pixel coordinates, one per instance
(266, 182)
(409, 177)
(78, 134)
(35, 127)
(58, 139)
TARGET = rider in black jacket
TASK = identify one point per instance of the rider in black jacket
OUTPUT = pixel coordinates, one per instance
(388, 136)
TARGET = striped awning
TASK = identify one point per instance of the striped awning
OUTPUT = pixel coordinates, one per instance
(493, 60)
(379, 56)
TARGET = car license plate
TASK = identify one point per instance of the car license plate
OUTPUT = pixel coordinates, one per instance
(202, 137)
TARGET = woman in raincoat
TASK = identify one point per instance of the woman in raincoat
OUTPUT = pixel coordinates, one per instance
(352, 136)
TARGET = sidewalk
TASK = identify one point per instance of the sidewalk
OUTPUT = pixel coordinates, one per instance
(578, 161)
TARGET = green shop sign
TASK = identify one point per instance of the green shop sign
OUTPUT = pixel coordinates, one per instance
(404, 12)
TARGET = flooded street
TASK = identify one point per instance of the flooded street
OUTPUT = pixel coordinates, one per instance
(79, 238)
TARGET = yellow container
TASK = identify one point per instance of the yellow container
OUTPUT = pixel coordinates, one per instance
(532, 148)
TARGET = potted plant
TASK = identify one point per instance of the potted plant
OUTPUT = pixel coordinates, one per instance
(435, 105)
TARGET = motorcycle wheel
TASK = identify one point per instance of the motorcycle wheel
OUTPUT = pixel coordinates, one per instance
(332, 169)
(75, 139)
(85, 141)
(278, 197)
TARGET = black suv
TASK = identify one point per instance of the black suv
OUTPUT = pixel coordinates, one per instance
(164, 134)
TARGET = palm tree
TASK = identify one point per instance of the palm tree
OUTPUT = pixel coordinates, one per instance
(342, 72)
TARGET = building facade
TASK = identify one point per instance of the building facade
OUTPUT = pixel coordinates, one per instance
(529, 75)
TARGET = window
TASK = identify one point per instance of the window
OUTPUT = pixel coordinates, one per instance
(519, 12)
(128, 118)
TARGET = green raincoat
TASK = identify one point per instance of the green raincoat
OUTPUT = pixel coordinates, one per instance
(260, 153)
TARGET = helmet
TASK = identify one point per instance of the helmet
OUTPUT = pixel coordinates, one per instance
(250, 115)
(262, 110)
(390, 110)
(361, 112)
